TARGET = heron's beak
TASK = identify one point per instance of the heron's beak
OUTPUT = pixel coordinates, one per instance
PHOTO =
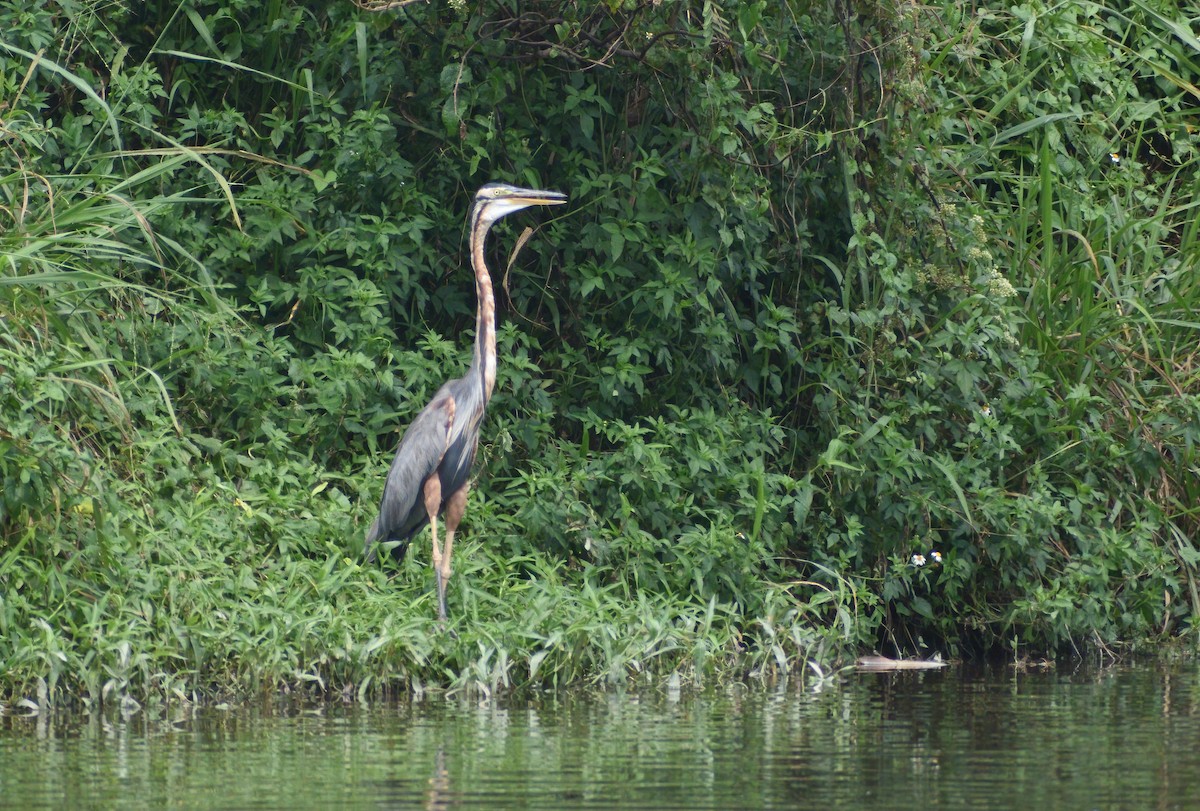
(536, 197)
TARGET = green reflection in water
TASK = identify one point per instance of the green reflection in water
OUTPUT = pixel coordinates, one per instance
(1108, 739)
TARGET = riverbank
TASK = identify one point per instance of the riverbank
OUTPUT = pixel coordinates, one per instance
(215, 623)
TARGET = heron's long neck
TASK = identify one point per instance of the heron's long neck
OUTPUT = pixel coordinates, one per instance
(484, 361)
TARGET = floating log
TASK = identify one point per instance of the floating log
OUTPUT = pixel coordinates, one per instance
(877, 663)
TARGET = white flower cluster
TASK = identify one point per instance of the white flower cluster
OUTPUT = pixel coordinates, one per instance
(997, 285)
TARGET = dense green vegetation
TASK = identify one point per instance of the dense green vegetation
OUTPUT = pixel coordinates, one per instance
(840, 284)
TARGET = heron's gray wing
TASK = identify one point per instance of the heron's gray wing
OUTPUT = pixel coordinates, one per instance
(402, 507)
(470, 405)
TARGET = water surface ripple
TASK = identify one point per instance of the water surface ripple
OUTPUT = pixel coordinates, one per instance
(1116, 738)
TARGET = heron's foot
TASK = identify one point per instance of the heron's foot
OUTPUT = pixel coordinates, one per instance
(443, 578)
(441, 622)
(441, 596)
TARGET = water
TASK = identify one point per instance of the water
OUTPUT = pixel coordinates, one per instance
(1121, 738)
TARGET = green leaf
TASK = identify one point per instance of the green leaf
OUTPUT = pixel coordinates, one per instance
(323, 180)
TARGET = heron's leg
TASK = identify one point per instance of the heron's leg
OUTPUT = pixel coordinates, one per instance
(433, 502)
(456, 505)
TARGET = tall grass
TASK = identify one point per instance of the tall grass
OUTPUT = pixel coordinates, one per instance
(1113, 300)
(1095, 217)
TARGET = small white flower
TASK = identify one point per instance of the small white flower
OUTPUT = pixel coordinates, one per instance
(986, 410)
(936, 555)
(998, 286)
(918, 559)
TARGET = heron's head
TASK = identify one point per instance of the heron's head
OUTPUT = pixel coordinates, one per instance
(496, 200)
